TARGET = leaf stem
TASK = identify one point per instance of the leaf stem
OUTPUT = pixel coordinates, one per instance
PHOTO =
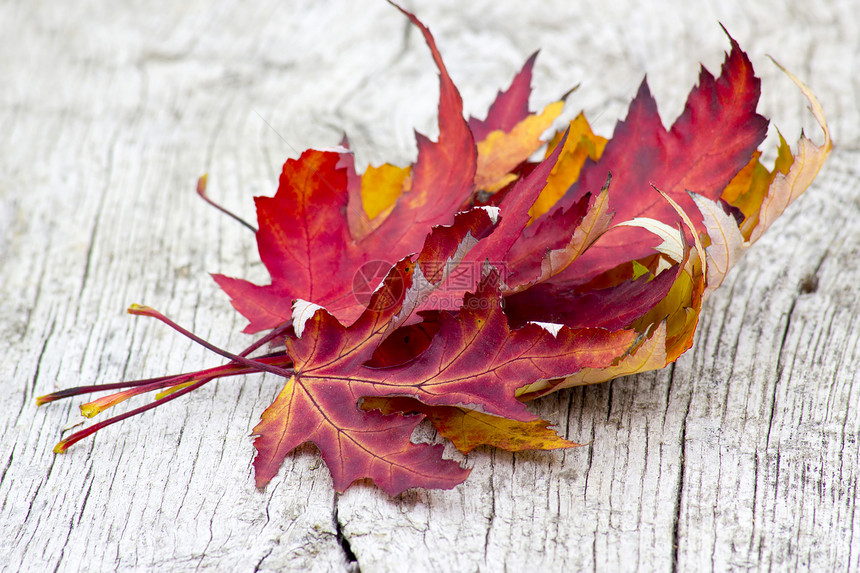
(63, 445)
(141, 310)
(201, 191)
(273, 334)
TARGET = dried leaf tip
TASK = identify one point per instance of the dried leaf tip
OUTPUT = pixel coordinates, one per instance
(142, 310)
(814, 105)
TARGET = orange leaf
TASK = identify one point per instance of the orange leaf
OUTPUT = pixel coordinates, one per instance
(581, 144)
(468, 429)
(501, 152)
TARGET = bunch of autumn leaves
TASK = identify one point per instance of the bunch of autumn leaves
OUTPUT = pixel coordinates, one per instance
(458, 288)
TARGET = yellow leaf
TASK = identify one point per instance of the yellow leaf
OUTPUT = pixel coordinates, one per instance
(787, 187)
(639, 269)
(468, 429)
(581, 144)
(380, 187)
(501, 151)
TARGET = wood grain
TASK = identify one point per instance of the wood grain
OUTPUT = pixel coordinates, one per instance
(742, 456)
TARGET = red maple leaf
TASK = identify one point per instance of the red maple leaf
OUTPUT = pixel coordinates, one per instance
(712, 140)
(510, 106)
(488, 306)
(304, 237)
(473, 361)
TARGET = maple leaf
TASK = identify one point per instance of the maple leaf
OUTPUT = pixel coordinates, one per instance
(310, 249)
(501, 152)
(761, 196)
(513, 211)
(529, 255)
(708, 144)
(474, 361)
(666, 314)
(510, 133)
(510, 107)
(590, 264)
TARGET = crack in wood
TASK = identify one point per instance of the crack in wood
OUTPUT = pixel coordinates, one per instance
(492, 516)
(676, 518)
(263, 558)
(352, 565)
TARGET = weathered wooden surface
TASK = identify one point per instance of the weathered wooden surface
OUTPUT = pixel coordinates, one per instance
(743, 456)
